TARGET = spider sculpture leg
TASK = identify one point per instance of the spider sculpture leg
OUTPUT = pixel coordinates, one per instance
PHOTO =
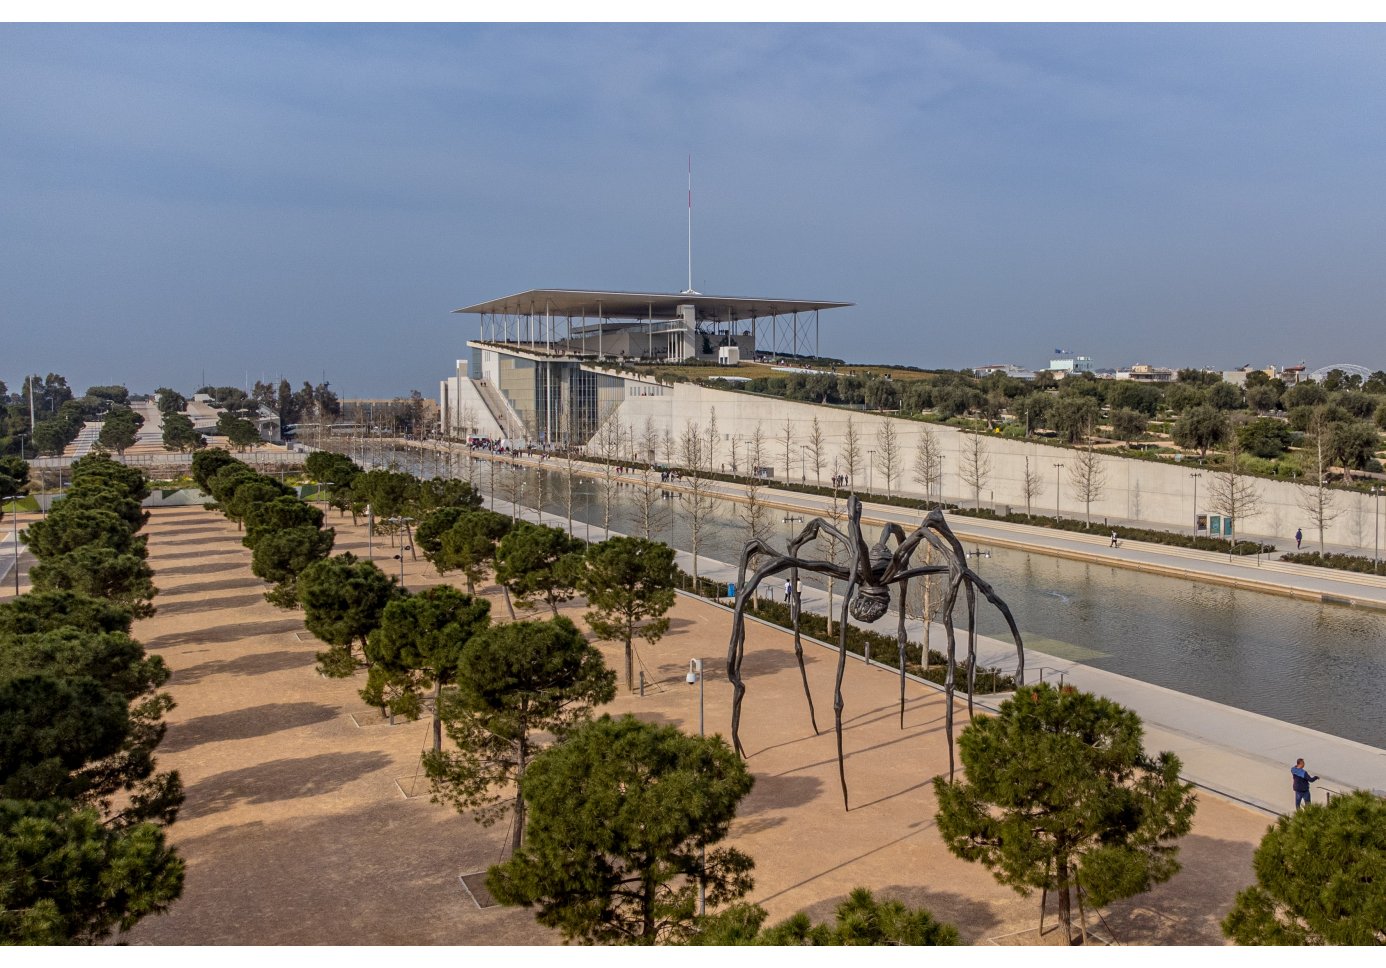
(841, 667)
(745, 593)
(809, 533)
(904, 594)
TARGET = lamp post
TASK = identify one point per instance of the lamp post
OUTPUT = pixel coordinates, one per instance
(695, 674)
(14, 513)
(871, 471)
(1057, 468)
(400, 558)
(1195, 475)
(803, 475)
(1376, 527)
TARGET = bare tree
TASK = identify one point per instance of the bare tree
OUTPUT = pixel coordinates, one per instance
(512, 486)
(668, 438)
(649, 441)
(786, 440)
(1088, 476)
(755, 514)
(817, 450)
(1315, 497)
(975, 464)
(888, 452)
(734, 467)
(833, 549)
(851, 452)
(607, 444)
(650, 511)
(714, 440)
(1032, 484)
(699, 503)
(568, 493)
(1233, 494)
(928, 464)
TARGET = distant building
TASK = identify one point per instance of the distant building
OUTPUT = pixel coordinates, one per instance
(1071, 364)
(1009, 369)
(1145, 373)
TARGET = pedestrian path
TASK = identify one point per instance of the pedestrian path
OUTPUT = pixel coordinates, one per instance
(1237, 754)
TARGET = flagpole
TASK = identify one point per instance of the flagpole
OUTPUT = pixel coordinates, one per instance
(690, 223)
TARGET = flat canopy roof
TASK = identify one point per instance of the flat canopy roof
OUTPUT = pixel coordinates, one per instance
(643, 305)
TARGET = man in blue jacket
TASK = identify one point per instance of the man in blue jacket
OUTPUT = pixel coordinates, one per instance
(1301, 782)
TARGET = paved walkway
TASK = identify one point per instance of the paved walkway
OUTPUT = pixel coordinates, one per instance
(1240, 755)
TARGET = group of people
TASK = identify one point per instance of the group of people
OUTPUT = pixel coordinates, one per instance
(840, 480)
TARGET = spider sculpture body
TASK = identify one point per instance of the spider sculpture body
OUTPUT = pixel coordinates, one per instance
(869, 573)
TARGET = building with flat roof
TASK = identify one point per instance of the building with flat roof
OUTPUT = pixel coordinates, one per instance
(546, 365)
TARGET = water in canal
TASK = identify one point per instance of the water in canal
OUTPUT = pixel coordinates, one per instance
(1318, 665)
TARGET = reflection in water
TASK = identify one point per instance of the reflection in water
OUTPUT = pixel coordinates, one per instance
(1302, 662)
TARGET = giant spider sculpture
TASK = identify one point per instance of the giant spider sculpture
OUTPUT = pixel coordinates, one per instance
(869, 573)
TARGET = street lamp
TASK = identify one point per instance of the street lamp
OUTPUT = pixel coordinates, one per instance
(1195, 475)
(400, 558)
(803, 475)
(1376, 493)
(695, 674)
(1057, 468)
(870, 471)
(14, 513)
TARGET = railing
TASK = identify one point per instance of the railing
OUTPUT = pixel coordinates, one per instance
(1047, 671)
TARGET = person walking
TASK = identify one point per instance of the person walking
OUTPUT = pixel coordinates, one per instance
(788, 589)
(1299, 536)
(1302, 779)
(1114, 539)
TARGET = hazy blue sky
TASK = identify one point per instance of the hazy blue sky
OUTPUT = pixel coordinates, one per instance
(288, 200)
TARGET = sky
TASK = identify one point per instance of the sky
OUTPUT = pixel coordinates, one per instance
(247, 201)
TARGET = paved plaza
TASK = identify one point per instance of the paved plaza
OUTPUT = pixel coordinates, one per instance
(306, 821)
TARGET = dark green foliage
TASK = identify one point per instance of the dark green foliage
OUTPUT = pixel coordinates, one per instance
(277, 514)
(617, 814)
(1224, 396)
(1306, 394)
(1123, 532)
(238, 431)
(281, 556)
(169, 401)
(245, 496)
(180, 435)
(860, 920)
(429, 534)
(120, 429)
(343, 599)
(436, 492)
(1353, 444)
(1131, 395)
(323, 465)
(93, 467)
(1128, 424)
(67, 878)
(82, 716)
(1201, 428)
(103, 495)
(101, 573)
(45, 611)
(14, 477)
(389, 493)
(1264, 437)
(206, 463)
(535, 561)
(1074, 416)
(1356, 563)
(111, 394)
(1060, 794)
(629, 584)
(517, 685)
(1318, 878)
(418, 644)
(470, 545)
(72, 526)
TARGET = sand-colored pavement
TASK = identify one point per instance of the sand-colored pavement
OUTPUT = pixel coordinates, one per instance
(297, 827)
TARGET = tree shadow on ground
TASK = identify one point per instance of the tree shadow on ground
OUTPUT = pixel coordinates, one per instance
(975, 920)
(211, 568)
(244, 724)
(204, 587)
(383, 872)
(286, 779)
(255, 664)
(210, 604)
(236, 551)
(178, 531)
(783, 792)
(204, 540)
(225, 633)
(1188, 908)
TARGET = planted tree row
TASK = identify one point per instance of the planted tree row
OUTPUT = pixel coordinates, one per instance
(83, 805)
